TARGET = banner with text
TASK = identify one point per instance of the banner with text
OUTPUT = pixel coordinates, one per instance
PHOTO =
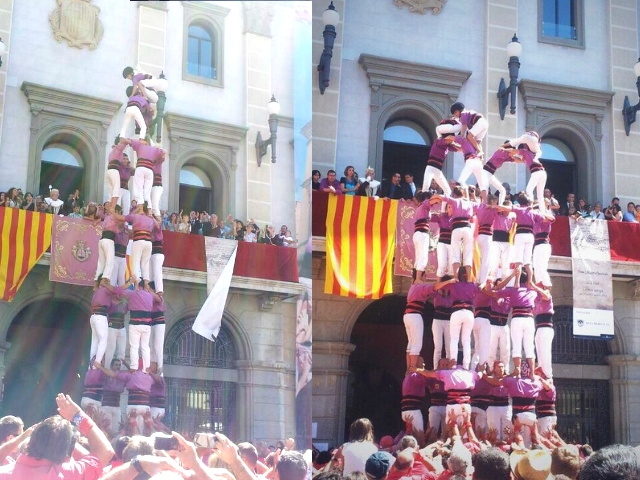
(592, 287)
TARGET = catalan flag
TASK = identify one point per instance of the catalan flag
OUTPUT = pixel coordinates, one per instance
(360, 242)
(24, 237)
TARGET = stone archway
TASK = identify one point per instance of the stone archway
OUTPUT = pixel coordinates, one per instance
(48, 354)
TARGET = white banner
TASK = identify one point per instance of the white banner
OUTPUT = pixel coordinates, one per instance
(592, 287)
(221, 258)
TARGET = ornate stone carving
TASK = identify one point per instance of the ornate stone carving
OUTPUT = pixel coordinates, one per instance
(77, 22)
(258, 17)
(421, 6)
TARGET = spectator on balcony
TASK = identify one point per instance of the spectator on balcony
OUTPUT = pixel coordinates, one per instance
(369, 188)
(554, 206)
(226, 230)
(583, 209)
(315, 179)
(630, 214)
(609, 211)
(597, 213)
(250, 235)
(184, 226)
(613, 213)
(172, 224)
(349, 183)
(12, 197)
(638, 212)
(288, 240)
(29, 203)
(269, 235)
(566, 206)
(238, 232)
(391, 188)
(330, 184)
(194, 221)
(409, 188)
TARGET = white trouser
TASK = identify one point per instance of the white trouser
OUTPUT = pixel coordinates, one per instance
(106, 259)
(480, 420)
(499, 418)
(538, 180)
(86, 402)
(125, 201)
(438, 329)
(522, 335)
(527, 420)
(150, 83)
(414, 325)
(541, 256)
(445, 259)
(157, 413)
(544, 340)
(116, 343)
(140, 410)
(119, 271)
(421, 248)
(431, 173)
(113, 183)
(462, 239)
(458, 409)
(500, 337)
(156, 194)
(492, 180)
(481, 341)
(523, 248)
(140, 259)
(142, 182)
(479, 129)
(437, 417)
(486, 259)
(545, 424)
(113, 415)
(502, 253)
(139, 340)
(473, 166)
(460, 328)
(99, 336)
(157, 343)
(156, 262)
(133, 112)
(415, 416)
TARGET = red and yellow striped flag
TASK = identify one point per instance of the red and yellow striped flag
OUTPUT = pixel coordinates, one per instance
(360, 243)
(24, 237)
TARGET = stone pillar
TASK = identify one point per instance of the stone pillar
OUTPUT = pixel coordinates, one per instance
(244, 401)
(330, 375)
(325, 107)
(502, 23)
(625, 398)
(257, 18)
(6, 15)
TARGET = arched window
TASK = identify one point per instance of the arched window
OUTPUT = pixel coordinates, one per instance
(560, 162)
(62, 166)
(201, 57)
(196, 190)
(406, 145)
(195, 405)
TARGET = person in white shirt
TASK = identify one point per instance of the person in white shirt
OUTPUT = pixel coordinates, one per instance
(54, 202)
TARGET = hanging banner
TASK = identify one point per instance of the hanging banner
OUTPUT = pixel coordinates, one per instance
(303, 367)
(74, 250)
(221, 258)
(592, 287)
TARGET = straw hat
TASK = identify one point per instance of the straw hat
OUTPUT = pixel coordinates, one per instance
(531, 465)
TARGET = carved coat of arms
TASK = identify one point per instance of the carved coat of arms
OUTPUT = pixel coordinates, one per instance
(421, 6)
(76, 21)
(81, 251)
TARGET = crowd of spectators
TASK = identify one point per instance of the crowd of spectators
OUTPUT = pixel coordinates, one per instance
(465, 457)
(72, 446)
(200, 223)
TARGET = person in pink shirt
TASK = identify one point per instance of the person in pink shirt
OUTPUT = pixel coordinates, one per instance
(157, 327)
(500, 333)
(444, 143)
(120, 251)
(113, 170)
(542, 248)
(157, 394)
(443, 248)
(546, 404)
(107, 249)
(474, 125)
(143, 177)
(421, 237)
(157, 257)
(139, 387)
(482, 325)
(498, 158)
(156, 186)
(523, 393)
(500, 245)
(498, 410)
(485, 214)
(138, 109)
(92, 392)
(126, 172)
(100, 303)
(440, 325)
(543, 311)
(117, 337)
(115, 380)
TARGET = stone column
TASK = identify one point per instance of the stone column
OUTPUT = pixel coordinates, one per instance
(257, 18)
(244, 401)
(625, 398)
(330, 375)
(6, 16)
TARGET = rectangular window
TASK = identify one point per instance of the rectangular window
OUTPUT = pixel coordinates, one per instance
(561, 22)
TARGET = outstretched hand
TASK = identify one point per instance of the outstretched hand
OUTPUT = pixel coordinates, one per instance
(67, 408)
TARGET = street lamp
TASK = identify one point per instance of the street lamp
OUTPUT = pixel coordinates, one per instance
(330, 19)
(161, 87)
(273, 109)
(629, 111)
(514, 49)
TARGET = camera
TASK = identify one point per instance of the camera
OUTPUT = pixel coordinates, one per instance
(206, 440)
(165, 442)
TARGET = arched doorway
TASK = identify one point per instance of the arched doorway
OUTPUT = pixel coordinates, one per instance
(405, 148)
(196, 191)
(63, 166)
(377, 365)
(49, 354)
(195, 403)
(560, 163)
